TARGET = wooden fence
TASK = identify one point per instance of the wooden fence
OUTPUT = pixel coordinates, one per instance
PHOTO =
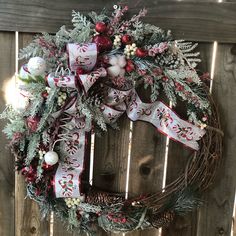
(152, 156)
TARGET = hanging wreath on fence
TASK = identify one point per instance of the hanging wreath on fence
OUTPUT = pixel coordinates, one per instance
(83, 80)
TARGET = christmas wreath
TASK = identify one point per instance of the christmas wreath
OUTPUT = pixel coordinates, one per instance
(82, 80)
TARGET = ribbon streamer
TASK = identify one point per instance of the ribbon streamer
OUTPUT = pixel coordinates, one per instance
(73, 137)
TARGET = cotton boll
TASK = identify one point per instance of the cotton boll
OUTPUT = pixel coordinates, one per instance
(113, 60)
(37, 66)
(113, 70)
(122, 73)
(121, 61)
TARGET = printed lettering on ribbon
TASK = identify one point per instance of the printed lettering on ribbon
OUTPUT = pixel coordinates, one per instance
(82, 56)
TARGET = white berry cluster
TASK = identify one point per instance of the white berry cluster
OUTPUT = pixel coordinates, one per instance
(117, 41)
(130, 50)
(73, 202)
(61, 98)
(48, 89)
(41, 154)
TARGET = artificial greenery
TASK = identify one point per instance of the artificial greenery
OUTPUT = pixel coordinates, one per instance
(168, 66)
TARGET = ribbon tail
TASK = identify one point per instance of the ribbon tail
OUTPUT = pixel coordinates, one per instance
(67, 180)
(165, 120)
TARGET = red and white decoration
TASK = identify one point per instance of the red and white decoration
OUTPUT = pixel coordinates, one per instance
(82, 56)
(67, 178)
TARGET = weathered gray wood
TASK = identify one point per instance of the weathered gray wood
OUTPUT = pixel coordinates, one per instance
(215, 217)
(110, 159)
(7, 69)
(192, 20)
(178, 157)
(147, 161)
(27, 215)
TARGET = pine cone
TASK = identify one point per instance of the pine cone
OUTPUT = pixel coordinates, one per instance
(97, 197)
(162, 220)
(170, 61)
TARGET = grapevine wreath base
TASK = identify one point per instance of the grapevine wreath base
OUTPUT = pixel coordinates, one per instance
(81, 81)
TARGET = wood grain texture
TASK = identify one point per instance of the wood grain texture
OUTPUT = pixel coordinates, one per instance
(7, 69)
(215, 218)
(110, 159)
(192, 20)
(59, 229)
(178, 157)
(27, 215)
(147, 160)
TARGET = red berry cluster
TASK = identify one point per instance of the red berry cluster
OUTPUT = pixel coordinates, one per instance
(119, 218)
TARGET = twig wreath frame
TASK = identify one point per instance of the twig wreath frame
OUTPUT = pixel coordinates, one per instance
(83, 80)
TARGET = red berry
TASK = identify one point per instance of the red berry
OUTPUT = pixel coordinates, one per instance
(44, 94)
(129, 68)
(24, 170)
(100, 27)
(104, 43)
(37, 192)
(141, 52)
(126, 39)
(179, 87)
(31, 179)
(165, 79)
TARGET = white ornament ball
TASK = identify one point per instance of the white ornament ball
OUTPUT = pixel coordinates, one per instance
(37, 66)
(51, 158)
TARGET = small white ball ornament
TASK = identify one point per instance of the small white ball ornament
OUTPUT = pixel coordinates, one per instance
(37, 66)
(51, 158)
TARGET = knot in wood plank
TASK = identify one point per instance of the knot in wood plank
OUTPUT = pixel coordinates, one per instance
(33, 230)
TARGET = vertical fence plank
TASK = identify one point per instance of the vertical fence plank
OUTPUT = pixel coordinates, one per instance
(178, 157)
(7, 69)
(110, 159)
(147, 161)
(215, 217)
(27, 215)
